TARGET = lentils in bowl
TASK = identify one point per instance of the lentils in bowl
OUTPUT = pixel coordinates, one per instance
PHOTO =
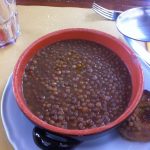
(73, 82)
(76, 84)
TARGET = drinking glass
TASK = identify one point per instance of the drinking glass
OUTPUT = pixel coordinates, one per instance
(9, 26)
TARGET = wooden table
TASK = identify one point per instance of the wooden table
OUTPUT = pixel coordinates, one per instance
(111, 4)
(36, 21)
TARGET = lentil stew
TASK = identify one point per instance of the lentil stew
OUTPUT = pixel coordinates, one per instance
(76, 84)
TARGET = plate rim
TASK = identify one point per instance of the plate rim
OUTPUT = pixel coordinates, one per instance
(9, 137)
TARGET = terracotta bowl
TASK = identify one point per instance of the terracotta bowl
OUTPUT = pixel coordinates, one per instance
(108, 41)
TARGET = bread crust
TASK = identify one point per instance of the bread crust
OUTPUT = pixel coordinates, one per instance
(137, 126)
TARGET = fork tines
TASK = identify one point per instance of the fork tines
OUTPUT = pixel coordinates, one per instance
(103, 11)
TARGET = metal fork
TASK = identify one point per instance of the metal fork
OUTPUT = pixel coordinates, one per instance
(107, 13)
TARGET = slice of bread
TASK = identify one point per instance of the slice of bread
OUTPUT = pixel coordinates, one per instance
(137, 126)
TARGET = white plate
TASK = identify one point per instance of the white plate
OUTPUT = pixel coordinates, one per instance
(19, 129)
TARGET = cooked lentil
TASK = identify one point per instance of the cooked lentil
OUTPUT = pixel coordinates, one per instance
(76, 84)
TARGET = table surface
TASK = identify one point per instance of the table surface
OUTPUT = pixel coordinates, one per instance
(36, 21)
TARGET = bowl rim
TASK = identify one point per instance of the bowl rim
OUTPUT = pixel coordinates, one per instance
(21, 101)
